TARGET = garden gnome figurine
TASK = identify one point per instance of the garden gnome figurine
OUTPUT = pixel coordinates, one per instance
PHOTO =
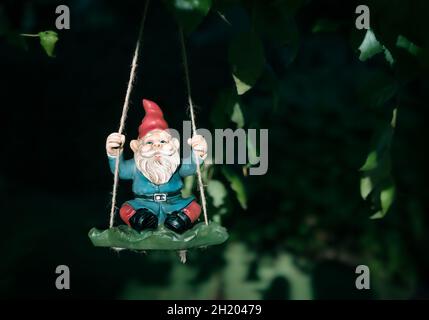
(157, 172)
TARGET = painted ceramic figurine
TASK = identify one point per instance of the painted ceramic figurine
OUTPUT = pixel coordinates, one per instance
(157, 172)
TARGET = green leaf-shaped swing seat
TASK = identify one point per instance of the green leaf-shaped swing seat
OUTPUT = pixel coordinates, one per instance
(201, 235)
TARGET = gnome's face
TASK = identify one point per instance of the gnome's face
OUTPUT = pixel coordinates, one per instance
(156, 155)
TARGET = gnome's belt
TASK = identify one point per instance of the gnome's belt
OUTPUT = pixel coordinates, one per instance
(158, 197)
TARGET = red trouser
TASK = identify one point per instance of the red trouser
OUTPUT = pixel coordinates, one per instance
(193, 211)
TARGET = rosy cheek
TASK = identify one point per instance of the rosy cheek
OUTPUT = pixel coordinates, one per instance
(168, 147)
(146, 148)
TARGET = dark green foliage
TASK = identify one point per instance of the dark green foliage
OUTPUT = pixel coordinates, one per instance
(347, 122)
(246, 56)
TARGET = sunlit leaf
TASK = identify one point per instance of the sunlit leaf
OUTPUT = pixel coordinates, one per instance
(406, 44)
(237, 116)
(393, 122)
(217, 192)
(237, 185)
(241, 86)
(48, 39)
(369, 46)
(389, 56)
(252, 157)
(386, 199)
(376, 183)
(365, 187)
(371, 162)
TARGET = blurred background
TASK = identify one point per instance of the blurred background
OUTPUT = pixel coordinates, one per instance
(347, 116)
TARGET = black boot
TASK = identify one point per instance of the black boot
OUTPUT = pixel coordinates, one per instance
(178, 222)
(143, 219)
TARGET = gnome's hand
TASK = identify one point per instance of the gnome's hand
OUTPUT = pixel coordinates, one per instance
(114, 144)
(199, 145)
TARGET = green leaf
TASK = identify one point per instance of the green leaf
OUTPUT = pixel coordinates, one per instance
(365, 187)
(246, 56)
(237, 116)
(389, 56)
(371, 162)
(242, 87)
(189, 13)
(217, 192)
(237, 185)
(376, 183)
(252, 157)
(387, 196)
(48, 39)
(404, 43)
(369, 46)
(393, 121)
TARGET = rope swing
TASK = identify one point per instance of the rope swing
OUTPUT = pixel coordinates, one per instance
(125, 109)
(122, 237)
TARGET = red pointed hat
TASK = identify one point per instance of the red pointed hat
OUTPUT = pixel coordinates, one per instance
(154, 118)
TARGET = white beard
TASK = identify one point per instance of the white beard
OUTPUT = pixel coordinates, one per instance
(158, 171)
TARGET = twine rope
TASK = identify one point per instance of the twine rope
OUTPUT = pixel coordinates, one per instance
(194, 127)
(125, 108)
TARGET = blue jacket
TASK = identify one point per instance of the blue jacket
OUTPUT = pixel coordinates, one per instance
(143, 186)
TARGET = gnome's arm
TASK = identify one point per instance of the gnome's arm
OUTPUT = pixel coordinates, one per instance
(189, 165)
(126, 167)
(198, 154)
